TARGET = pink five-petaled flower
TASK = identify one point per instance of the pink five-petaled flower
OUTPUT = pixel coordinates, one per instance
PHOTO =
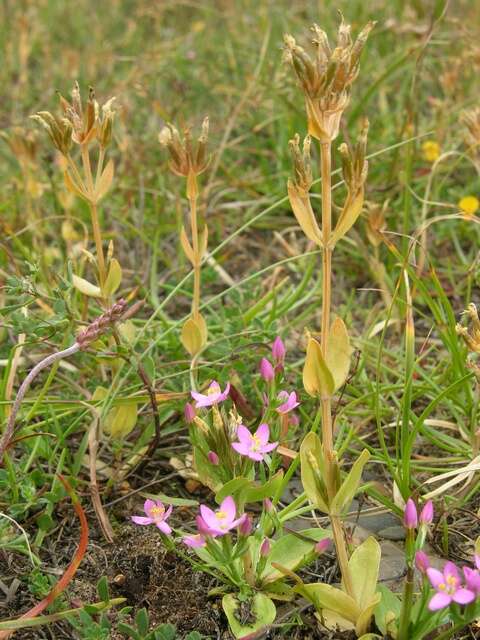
(220, 522)
(290, 401)
(256, 445)
(156, 515)
(410, 515)
(213, 396)
(448, 586)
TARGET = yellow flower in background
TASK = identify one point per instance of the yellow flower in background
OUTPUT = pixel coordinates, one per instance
(431, 150)
(469, 205)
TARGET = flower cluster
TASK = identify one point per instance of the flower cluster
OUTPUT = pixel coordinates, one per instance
(215, 524)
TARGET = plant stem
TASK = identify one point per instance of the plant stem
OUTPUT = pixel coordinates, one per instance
(97, 234)
(7, 434)
(406, 606)
(196, 265)
(326, 401)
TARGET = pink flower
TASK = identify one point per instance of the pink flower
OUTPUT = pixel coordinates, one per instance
(448, 586)
(213, 396)
(266, 370)
(278, 351)
(410, 515)
(426, 515)
(422, 562)
(220, 522)
(290, 401)
(194, 541)
(189, 413)
(254, 446)
(156, 515)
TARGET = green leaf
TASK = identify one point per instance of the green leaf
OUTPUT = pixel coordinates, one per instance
(345, 494)
(290, 551)
(364, 621)
(142, 621)
(231, 488)
(364, 565)
(313, 471)
(86, 287)
(121, 420)
(262, 609)
(114, 278)
(339, 352)
(387, 611)
(248, 490)
(324, 596)
(102, 589)
(176, 502)
(317, 377)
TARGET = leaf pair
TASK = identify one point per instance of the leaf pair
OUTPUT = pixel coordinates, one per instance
(322, 376)
(111, 284)
(335, 607)
(74, 184)
(314, 481)
(188, 249)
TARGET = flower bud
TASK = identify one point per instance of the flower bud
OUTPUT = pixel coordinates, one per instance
(265, 548)
(266, 370)
(410, 516)
(213, 458)
(189, 413)
(245, 527)
(422, 562)
(278, 351)
(322, 545)
(268, 505)
(426, 515)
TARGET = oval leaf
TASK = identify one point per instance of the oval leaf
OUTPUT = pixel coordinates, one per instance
(339, 352)
(364, 566)
(86, 287)
(114, 278)
(313, 474)
(105, 181)
(345, 494)
(317, 378)
(262, 609)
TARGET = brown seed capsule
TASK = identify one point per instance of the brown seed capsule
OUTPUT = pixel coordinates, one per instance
(326, 79)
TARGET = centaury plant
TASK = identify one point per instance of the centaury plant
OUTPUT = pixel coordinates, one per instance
(326, 81)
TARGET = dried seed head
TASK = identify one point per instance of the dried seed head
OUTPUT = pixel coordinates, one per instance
(326, 79)
(471, 120)
(354, 165)
(59, 129)
(471, 333)
(105, 124)
(376, 222)
(186, 159)
(302, 168)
